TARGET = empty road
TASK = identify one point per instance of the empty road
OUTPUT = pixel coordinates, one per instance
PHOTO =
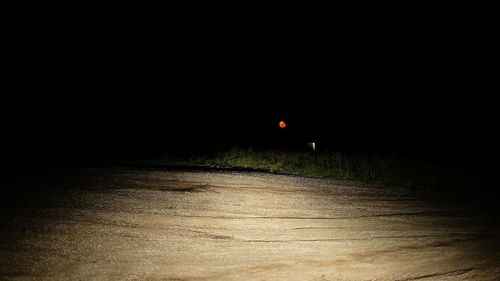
(147, 224)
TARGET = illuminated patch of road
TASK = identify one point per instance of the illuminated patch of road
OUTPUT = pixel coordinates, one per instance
(130, 224)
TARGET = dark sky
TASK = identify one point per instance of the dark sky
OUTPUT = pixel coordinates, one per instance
(79, 85)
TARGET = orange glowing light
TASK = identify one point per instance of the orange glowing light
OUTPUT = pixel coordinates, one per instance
(282, 124)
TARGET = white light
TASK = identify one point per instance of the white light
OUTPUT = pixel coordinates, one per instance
(311, 145)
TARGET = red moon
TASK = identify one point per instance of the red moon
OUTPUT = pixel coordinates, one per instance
(282, 124)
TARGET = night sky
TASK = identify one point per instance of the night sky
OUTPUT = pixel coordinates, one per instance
(87, 88)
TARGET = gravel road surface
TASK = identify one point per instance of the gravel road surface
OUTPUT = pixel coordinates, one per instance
(147, 224)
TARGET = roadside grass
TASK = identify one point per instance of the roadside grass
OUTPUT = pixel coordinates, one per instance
(382, 169)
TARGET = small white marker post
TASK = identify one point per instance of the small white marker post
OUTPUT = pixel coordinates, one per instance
(312, 145)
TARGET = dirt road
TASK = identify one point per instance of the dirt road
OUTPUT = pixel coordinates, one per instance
(126, 224)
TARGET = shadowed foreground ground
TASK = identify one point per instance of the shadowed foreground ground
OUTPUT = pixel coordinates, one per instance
(124, 224)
